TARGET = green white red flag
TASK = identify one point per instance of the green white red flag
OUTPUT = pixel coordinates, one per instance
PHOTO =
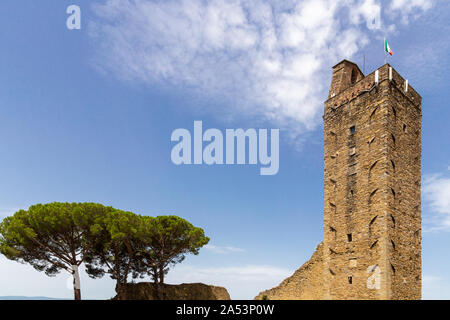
(387, 48)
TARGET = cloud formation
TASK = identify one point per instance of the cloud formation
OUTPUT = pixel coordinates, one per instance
(271, 59)
(436, 191)
(222, 249)
(407, 8)
(242, 282)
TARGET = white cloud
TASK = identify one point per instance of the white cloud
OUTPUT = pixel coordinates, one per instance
(271, 59)
(409, 8)
(223, 249)
(436, 191)
(242, 282)
(368, 11)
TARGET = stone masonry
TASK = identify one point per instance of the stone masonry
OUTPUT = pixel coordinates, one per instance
(372, 209)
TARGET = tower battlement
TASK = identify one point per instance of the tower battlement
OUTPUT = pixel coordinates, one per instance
(348, 83)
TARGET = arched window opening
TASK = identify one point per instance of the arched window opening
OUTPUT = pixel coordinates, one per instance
(333, 233)
(354, 76)
(393, 139)
(394, 112)
(333, 136)
(333, 207)
(372, 115)
(372, 167)
(372, 195)
(393, 220)
(373, 244)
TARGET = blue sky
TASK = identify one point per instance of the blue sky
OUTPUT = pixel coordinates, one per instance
(87, 115)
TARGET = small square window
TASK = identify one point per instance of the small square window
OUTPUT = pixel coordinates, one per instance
(349, 237)
(352, 129)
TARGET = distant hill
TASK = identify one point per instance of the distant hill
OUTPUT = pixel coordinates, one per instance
(28, 298)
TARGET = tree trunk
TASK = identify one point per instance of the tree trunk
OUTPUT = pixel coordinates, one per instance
(77, 294)
(157, 284)
(120, 290)
(76, 282)
(161, 283)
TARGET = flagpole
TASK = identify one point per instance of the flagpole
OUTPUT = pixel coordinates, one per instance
(385, 53)
(364, 64)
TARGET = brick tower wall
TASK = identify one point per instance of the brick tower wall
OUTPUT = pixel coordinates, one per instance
(372, 187)
(372, 216)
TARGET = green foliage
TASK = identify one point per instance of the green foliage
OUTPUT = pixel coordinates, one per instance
(113, 247)
(165, 241)
(50, 237)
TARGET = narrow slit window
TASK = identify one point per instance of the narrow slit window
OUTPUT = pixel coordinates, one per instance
(350, 280)
(393, 220)
(352, 129)
(349, 237)
(353, 77)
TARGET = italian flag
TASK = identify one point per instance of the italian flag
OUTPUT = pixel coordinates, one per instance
(387, 48)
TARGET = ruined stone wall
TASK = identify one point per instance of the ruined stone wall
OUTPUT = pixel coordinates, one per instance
(304, 284)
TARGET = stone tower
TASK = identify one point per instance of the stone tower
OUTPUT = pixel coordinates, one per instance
(372, 226)
(372, 218)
